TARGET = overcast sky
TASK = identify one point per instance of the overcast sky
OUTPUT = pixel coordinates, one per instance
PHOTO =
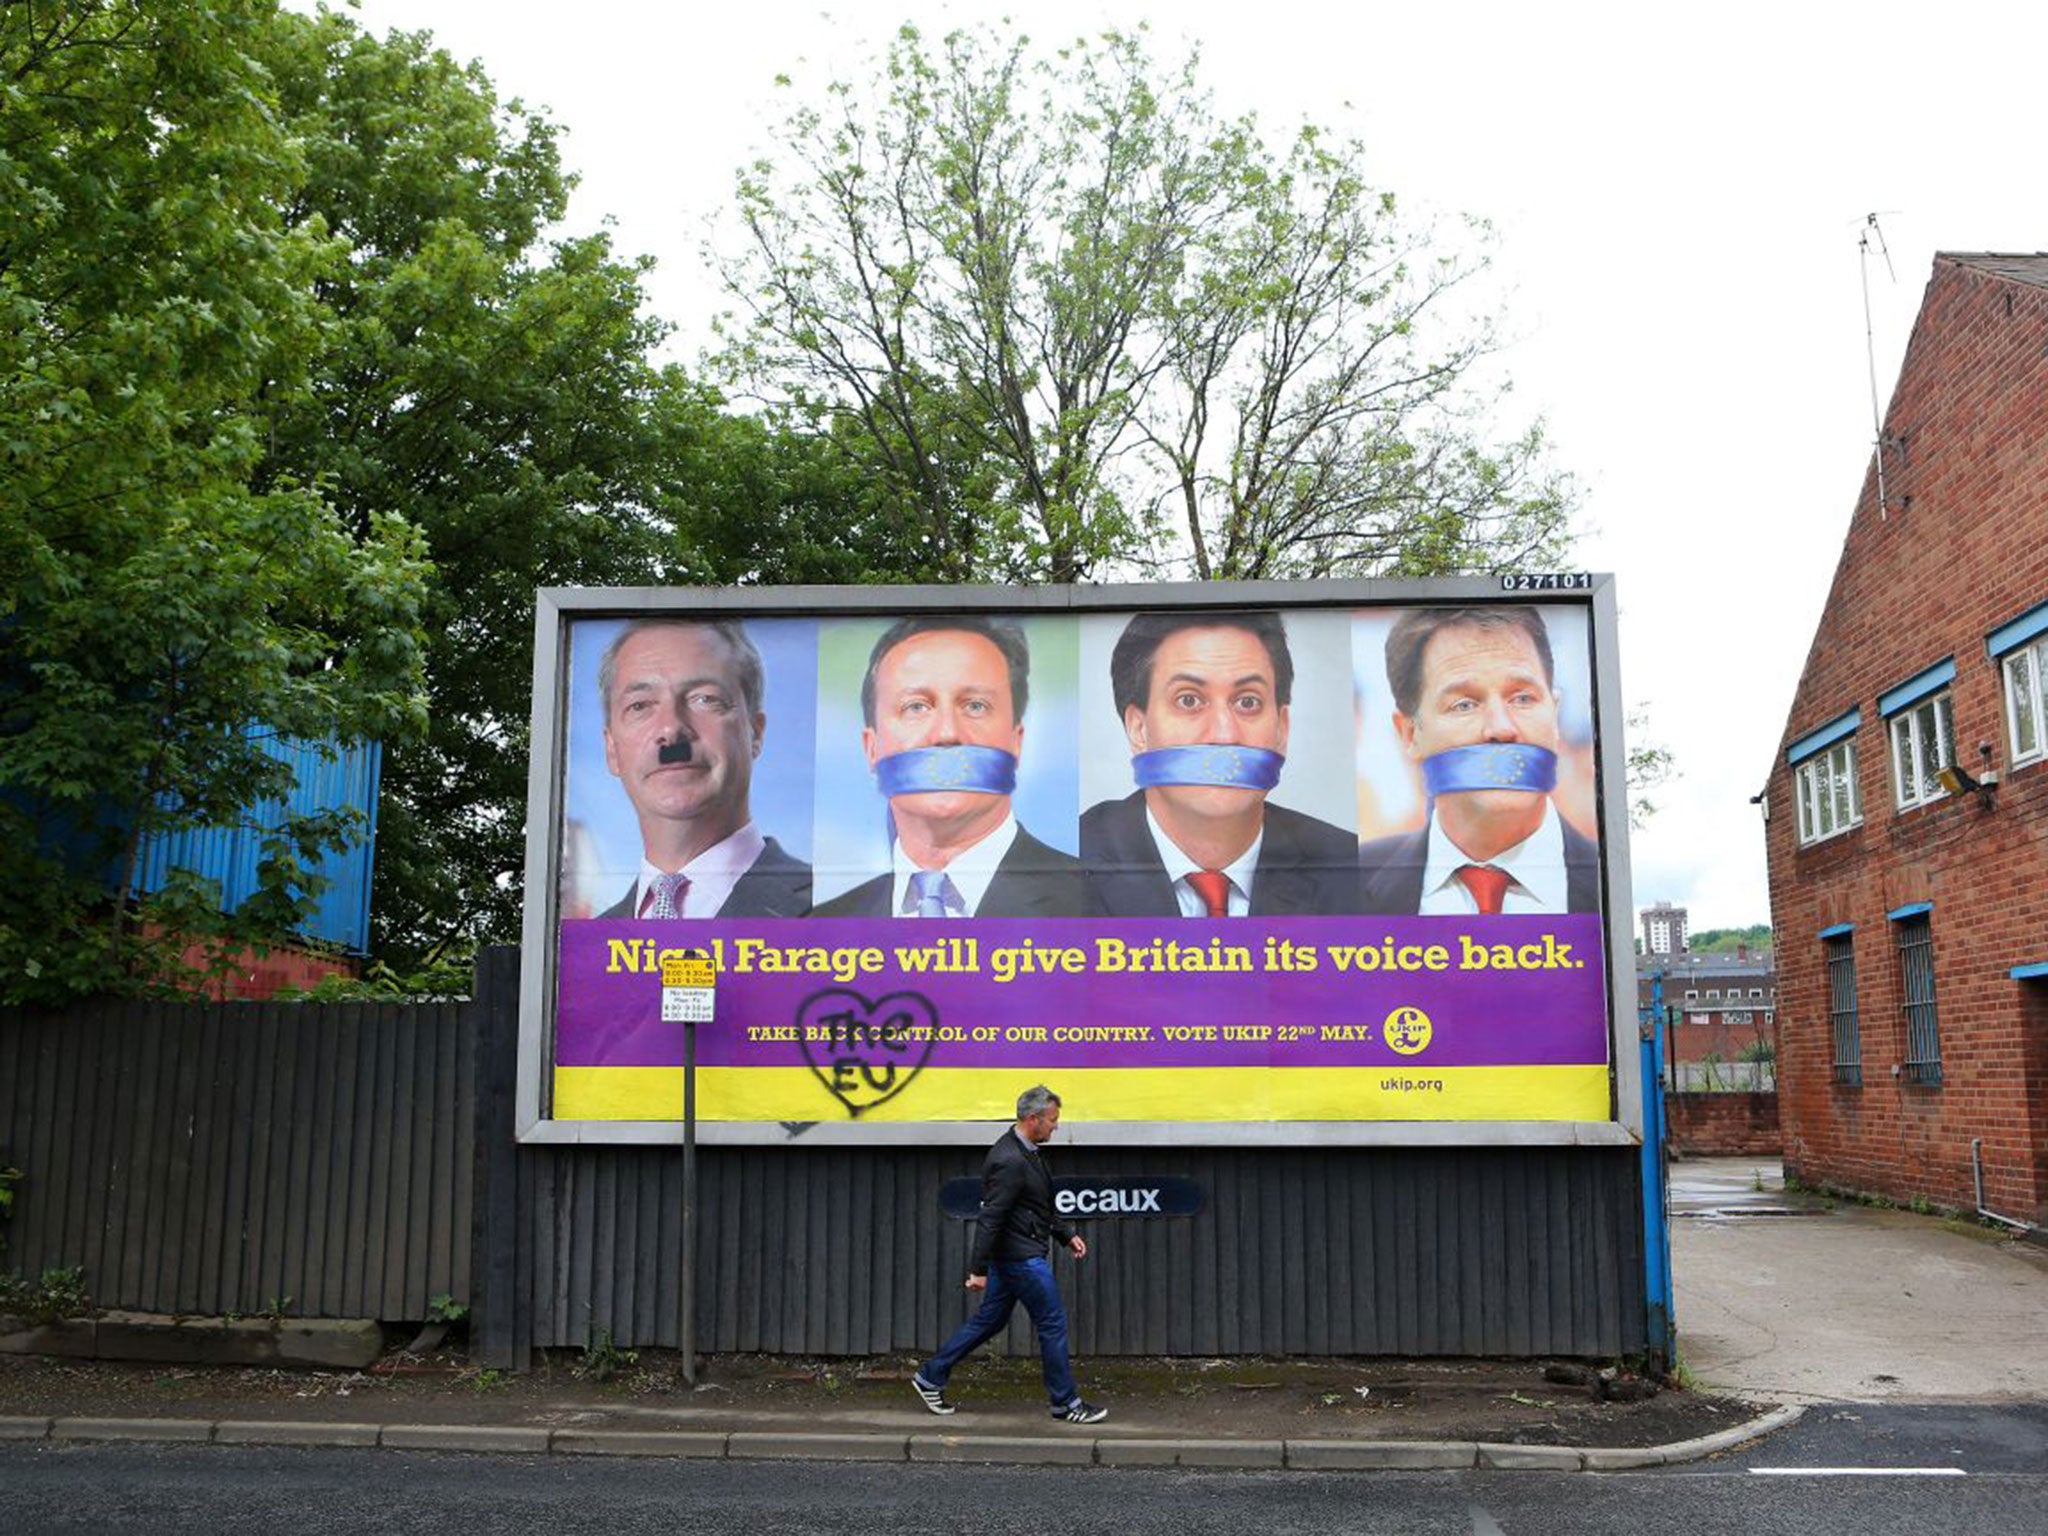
(1678, 194)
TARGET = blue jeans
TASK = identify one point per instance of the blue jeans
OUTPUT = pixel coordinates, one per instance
(1030, 1282)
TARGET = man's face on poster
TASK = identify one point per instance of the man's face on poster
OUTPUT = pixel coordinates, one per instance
(680, 683)
(942, 688)
(1481, 685)
(1209, 686)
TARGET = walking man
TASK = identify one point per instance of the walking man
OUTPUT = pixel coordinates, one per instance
(1010, 1262)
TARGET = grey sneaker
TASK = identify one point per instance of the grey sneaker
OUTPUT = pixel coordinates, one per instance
(930, 1395)
(1080, 1412)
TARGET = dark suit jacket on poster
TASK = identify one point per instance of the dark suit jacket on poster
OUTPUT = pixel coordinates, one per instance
(1032, 881)
(1390, 872)
(1016, 1207)
(1306, 866)
(776, 885)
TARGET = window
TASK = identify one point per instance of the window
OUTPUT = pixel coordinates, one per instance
(1841, 961)
(1713, 991)
(1692, 994)
(2026, 701)
(1923, 742)
(1915, 931)
(1825, 787)
(1756, 991)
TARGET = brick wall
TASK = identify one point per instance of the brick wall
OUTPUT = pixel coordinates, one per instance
(1961, 548)
(1722, 1124)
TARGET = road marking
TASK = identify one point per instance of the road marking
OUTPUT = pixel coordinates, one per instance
(1857, 1472)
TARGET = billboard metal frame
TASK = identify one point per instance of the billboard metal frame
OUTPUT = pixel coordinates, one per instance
(557, 607)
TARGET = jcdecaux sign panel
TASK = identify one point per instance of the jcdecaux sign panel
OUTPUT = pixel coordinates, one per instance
(1278, 863)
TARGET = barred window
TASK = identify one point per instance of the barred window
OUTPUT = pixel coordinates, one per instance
(1841, 961)
(1916, 975)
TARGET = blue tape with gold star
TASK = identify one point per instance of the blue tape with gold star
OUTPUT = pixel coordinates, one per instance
(1226, 767)
(968, 770)
(1491, 765)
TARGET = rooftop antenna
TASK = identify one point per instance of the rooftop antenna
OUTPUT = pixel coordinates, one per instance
(1872, 231)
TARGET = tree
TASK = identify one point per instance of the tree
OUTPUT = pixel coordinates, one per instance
(1650, 766)
(166, 609)
(498, 386)
(1079, 323)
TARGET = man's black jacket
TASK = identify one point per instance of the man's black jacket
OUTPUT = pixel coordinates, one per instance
(1016, 1207)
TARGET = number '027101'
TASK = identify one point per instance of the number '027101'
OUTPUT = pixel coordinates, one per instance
(1567, 581)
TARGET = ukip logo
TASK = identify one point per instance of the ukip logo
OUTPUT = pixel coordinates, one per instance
(1408, 1030)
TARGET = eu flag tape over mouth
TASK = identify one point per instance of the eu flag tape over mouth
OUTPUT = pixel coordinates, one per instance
(1226, 767)
(1491, 765)
(969, 770)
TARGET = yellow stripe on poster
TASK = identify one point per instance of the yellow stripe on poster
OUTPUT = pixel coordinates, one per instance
(1102, 1093)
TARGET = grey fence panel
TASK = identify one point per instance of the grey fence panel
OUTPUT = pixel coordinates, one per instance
(818, 1251)
(360, 1160)
(205, 1159)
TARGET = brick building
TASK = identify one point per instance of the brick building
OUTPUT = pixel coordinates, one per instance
(1911, 913)
(1721, 1011)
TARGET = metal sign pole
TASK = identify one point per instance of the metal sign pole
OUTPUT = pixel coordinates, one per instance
(690, 1202)
(689, 997)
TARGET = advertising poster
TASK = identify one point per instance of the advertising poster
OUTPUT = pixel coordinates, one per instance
(1198, 866)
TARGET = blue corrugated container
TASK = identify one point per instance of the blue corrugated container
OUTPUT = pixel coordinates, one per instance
(230, 855)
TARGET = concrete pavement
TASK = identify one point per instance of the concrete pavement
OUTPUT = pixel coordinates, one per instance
(1800, 1299)
(1780, 1298)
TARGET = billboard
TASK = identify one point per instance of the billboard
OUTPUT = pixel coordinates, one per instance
(1270, 863)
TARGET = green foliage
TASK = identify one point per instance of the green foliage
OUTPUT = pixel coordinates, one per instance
(1649, 767)
(58, 1294)
(441, 981)
(163, 592)
(496, 384)
(444, 1308)
(1725, 941)
(1073, 320)
(1764, 1051)
(603, 1360)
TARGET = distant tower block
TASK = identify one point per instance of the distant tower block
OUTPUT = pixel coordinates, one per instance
(1664, 929)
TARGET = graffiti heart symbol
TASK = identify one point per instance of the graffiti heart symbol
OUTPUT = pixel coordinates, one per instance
(865, 1053)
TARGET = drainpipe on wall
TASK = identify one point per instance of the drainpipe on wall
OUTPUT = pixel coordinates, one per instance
(1977, 1170)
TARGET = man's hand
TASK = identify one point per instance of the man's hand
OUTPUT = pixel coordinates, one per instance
(977, 1282)
(1079, 1244)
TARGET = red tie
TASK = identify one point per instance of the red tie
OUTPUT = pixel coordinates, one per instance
(1213, 886)
(1487, 884)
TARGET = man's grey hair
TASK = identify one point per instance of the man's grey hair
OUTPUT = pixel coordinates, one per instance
(746, 660)
(1035, 1101)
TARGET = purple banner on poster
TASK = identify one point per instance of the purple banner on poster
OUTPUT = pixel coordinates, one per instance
(1304, 992)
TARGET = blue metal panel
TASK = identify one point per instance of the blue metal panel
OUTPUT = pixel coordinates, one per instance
(1658, 1298)
(1837, 930)
(1916, 688)
(324, 778)
(2011, 636)
(1911, 909)
(1817, 741)
(2034, 972)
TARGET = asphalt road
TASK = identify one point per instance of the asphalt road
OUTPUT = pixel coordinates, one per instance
(1857, 1469)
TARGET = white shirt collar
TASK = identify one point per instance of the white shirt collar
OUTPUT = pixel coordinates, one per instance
(712, 874)
(1535, 867)
(971, 870)
(1179, 866)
